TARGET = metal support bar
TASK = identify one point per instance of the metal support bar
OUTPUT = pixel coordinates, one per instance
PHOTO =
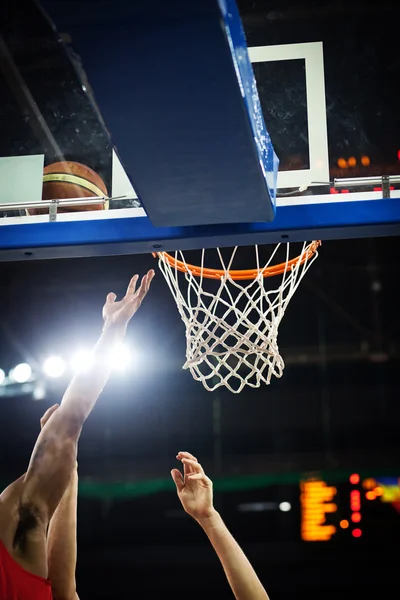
(348, 182)
(53, 212)
(51, 203)
(386, 187)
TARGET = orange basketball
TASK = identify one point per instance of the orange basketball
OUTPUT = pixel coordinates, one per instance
(63, 180)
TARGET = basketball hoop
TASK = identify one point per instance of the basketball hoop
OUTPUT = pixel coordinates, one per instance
(231, 332)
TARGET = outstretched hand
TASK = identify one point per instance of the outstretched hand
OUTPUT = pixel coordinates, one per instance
(122, 311)
(194, 488)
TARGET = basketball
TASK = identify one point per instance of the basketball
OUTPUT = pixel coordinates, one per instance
(62, 180)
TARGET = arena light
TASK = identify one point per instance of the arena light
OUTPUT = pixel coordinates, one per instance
(54, 366)
(256, 506)
(39, 391)
(120, 357)
(82, 360)
(21, 373)
(2, 376)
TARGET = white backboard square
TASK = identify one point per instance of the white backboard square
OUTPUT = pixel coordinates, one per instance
(312, 54)
(21, 179)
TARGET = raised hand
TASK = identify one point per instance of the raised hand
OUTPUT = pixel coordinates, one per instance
(122, 311)
(194, 488)
(196, 495)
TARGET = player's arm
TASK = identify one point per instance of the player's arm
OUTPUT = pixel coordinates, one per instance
(61, 544)
(54, 455)
(195, 493)
(61, 537)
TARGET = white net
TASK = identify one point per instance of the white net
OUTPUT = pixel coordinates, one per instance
(232, 325)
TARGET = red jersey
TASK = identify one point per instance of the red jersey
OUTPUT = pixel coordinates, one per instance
(18, 584)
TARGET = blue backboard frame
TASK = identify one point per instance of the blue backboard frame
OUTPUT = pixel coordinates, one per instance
(132, 235)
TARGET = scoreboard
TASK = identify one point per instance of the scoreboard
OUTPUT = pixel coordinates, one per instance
(366, 507)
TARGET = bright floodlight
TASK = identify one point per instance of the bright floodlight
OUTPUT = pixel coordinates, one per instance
(21, 373)
(54, 366)
(2, 376)
(285, 506)
(82, 360)
(120, 358)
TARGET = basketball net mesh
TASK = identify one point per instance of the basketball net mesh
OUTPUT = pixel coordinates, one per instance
(232, 332)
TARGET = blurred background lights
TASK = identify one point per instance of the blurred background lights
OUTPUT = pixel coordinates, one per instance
(285, 506)
(369, 483)
(2, 376)
(54, 366)
(39, 391)
(354, 478)
(21, 373)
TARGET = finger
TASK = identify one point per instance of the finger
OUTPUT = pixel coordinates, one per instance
(187, 468)
(181, 455)
(48, 414)
(145, 285)
(199, 477)
(193, 464)
(138, 294)
(178, 479)
(111, 298)
(150, 276)
(132, 286)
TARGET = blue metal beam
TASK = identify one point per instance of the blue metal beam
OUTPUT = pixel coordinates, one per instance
(338, 220)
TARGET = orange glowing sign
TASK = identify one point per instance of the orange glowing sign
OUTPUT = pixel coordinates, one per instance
(316, 500)
(355, 500)
(387, 489)
(354, 478)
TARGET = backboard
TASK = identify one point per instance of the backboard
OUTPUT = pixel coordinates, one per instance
(73, 86)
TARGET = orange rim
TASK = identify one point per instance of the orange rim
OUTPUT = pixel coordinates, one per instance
(238, 275)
